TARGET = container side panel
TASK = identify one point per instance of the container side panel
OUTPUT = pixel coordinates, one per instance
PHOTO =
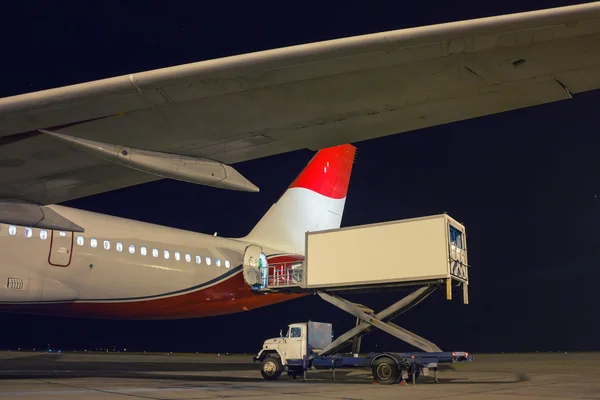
(397, 252)
(319, 335)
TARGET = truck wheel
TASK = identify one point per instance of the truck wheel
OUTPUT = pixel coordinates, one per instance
(385, 371)
(271, 368)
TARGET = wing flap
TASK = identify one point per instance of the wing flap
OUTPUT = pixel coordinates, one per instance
(580, 80)
(50, 188)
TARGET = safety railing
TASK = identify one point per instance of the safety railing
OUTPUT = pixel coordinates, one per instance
(285, 274)
(458, 262)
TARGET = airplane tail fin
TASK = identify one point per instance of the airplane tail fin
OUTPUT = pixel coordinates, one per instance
(313, 202)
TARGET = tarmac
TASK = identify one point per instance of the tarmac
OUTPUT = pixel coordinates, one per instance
(123, 376)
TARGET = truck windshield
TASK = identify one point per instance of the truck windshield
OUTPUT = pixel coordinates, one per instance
(293, 332)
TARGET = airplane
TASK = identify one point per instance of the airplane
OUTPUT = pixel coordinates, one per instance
(127, 269)
(194, 122)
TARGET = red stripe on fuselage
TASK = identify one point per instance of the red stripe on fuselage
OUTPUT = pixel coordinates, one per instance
(328, 173)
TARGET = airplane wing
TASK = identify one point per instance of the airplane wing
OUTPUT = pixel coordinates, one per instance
(308, 96)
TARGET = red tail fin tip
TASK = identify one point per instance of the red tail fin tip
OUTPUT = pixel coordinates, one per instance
(328, 173)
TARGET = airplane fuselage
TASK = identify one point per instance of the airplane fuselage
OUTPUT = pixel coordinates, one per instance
(122, 268)
(126, 269)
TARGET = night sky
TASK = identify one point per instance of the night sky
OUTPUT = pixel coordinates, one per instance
(526, 184)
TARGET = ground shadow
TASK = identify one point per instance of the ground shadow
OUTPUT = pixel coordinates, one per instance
(320, 377)
(518, 378)
(50, 366)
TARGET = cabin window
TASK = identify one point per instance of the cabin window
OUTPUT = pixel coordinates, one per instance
(207, 260)
(119, 246)
(218, 262)
(28, 232)
(295, 332)
(198, 260)
(80, 241)
(43, 235)
(188, 258)
(143, 250)
(227, 264)
(12, 230)
(177, 256)
(63, 234)
(166, 254)
(131, 249)
(93, 243)
(107, 245)
(155, 252)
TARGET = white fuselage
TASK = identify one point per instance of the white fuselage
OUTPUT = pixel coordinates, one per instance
(121, 262)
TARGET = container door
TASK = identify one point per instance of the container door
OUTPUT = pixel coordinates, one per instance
(294, 344)
(61, 248)
(458, 253)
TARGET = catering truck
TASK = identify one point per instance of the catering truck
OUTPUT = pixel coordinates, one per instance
(429, 253)
(305, 346)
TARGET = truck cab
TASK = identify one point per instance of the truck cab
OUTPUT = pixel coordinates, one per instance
(301, 340)
(292, 345)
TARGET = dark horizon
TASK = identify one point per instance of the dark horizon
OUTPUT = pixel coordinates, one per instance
(524, 183)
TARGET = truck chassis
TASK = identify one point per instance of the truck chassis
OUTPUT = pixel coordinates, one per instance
(386, 368)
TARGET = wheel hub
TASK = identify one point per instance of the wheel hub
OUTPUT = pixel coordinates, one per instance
(384, 371)
(270, 368)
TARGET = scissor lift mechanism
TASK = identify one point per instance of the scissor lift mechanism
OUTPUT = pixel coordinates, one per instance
(367, 320)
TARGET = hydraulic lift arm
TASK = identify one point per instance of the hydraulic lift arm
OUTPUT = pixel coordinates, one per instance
(377, 321)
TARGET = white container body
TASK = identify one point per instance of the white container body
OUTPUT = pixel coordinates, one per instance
(413, 250)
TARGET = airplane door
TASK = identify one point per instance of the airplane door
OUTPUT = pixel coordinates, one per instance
(253, 264)
(61, 249)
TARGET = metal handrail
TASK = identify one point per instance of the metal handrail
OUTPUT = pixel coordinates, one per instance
(283, 274)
